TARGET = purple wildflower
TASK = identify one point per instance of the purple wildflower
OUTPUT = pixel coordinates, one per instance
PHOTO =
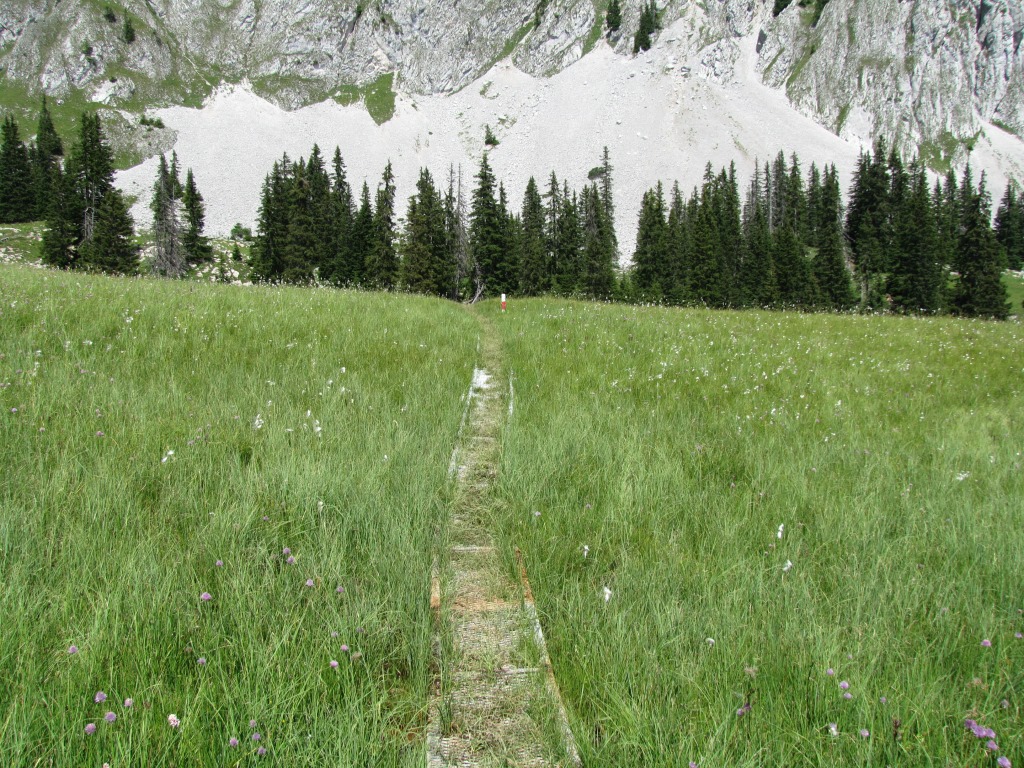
(864, 733)
(232, 742)
(99, 433)
(201, 661)
(340, 589)
(1019, 635)
(100, 697)
(830, 671)
(334, 664)
(847, 695)
(219, 563)
(991, 746)
(206, 597)
(344, 648)
(883, 700)
(1004, 762)
(261, 751)
(72, 650)
(173, 721)
(692, 763)
(128, 703)
(90, 729)
(309, 582)
(252, 723)
(844, 685)
(110, 717)
(290, 560)
(256, 737)
(286, 551)
(986, 643)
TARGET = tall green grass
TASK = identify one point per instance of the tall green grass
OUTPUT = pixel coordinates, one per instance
(656, 453)
(161, 440)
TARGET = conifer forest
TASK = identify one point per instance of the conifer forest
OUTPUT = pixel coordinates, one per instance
(901, 239)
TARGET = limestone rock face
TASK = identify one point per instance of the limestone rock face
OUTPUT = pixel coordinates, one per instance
(924, 73)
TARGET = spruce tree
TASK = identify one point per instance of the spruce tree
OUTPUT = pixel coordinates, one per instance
(1010, 227)
(91, 167)
(647, 27)
(598, 249)
(341, 268)
(533, 265)
(678, 249)
(486, 231)
(111, 248)
(792, 271)
(456, 270)
(568, 244)
(424, 243)
(832, 278)
(301, 245)
(362, 237)
(980, 291)
(651, 267)
(613, 18)
(169, 257)
(382, 262)
(915, 283)
(17, 202)
(268, 251)
(45, 157)
(196, 245)
(63, 225)
(758, 287)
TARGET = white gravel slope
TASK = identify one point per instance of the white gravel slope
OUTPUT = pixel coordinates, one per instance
(659, 122)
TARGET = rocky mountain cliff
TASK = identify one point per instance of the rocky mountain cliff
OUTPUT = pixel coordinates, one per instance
(926, 73)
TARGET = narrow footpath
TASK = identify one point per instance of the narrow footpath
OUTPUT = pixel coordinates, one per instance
(494, 701)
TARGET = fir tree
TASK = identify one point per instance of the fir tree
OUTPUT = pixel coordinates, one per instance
(533, 265)
(111, 248)
(17, 203)
(196, 245)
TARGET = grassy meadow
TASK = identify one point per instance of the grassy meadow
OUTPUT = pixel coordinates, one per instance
(209, 496)
(754, 538)
(771, 539)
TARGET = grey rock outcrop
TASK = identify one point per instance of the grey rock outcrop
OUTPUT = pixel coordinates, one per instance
(927, 74)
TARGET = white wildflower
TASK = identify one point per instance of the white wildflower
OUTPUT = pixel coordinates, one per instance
(257, 422)
(787, 566)
(782, 529)
(607, 594)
